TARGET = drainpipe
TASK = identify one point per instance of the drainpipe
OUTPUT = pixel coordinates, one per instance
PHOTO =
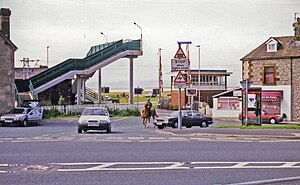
(291, 89)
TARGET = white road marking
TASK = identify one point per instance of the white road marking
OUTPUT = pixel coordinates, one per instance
(136, 138)
(296, 134)
(131, 166)
(115, 138)
(270, 181)
(178, 138)
(156, 138)
(4, 165)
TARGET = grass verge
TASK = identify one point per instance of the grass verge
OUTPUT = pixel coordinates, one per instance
(280, 127)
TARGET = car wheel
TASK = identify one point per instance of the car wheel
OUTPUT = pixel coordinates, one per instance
(25, 123)
(79, 130)
(108, 130)
(204, 124)
(160, 127)
(272, 121)
(175, 125)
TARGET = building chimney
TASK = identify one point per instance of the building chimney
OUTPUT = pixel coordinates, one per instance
(5, 22)
(297, 29)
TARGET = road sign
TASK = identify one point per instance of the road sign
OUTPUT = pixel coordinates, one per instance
(180, 80)
(191, 92)
(180, 54)
(179, 64)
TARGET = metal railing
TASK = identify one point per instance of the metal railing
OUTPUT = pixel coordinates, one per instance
(85, 63)
(32, 91)
(17, 96)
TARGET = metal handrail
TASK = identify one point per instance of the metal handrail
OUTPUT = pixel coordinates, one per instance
(17, 95)
(85, 63)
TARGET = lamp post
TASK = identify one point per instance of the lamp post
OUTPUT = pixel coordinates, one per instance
(199, 99)
(105, 37)
(48, 56)
(140, 29)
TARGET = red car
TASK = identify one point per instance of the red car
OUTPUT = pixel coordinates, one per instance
(265, 117)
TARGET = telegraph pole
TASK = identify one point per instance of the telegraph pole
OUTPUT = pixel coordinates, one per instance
(26, 66)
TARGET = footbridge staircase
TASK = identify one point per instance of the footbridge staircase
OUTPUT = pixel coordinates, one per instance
(98, 57)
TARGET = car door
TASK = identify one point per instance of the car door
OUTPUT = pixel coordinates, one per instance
(187, 119)
(35, 115)
(197, 118)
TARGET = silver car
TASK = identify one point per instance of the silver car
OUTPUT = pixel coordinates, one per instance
(94, 118)
(21, 116)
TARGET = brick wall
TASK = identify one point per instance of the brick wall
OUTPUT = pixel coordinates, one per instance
(174, 98)
(7, 93)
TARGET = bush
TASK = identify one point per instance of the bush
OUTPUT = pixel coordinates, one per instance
(126, 112)
(53, 112)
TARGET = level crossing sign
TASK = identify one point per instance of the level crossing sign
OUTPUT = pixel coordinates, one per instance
(180, 54)
(180, 80)
(180, 62)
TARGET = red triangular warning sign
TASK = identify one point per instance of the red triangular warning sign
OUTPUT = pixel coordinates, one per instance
(179, 53)
(180, 78)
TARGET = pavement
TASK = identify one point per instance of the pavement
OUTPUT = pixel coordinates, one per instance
(288, 134)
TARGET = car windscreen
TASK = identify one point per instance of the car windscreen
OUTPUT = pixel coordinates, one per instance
(100, 112)
(173, 114)
(17, 111)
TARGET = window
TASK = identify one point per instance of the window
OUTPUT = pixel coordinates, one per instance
(269, 75)
(228, 103)
(271, 47)
(195, 79)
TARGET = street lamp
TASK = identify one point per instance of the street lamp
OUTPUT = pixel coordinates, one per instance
(198, 46)
(48, 56)
(140, 29)
(105, 37)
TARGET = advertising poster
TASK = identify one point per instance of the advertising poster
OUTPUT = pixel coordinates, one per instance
(251, 100)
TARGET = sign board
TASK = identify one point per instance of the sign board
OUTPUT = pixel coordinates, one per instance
(138, 90)
(180, 54)
(179, 65)
(191, 92)
(179, 80)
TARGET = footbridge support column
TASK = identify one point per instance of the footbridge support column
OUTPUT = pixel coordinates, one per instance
(79, 82)
(99, 86)
(131, 81)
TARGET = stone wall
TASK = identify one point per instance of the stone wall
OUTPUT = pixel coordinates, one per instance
(287, 73)
(296, 90)
(7, 93)
(282, 66)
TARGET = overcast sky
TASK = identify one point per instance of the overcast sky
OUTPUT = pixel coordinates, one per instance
(226, 30)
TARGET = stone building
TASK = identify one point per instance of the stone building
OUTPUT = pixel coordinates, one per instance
(275, 66)
(7, 52)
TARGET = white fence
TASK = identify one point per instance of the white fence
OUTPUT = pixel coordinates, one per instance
(77, 109)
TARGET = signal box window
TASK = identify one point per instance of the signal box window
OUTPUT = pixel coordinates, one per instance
(269, 75)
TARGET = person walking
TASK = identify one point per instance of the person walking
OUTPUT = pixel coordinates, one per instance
(148, 106)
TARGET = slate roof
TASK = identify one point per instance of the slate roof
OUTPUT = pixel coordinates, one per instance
(288, 48)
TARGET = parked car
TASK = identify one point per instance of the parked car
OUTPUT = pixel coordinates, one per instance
(22, 116)
(94, 118)
(189, 118)
(266, 117)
